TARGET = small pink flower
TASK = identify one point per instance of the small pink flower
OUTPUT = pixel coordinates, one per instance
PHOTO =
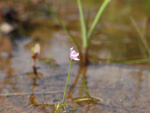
(73, 54)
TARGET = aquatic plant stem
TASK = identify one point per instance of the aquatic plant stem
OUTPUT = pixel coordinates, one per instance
(33, 63)
(63, 26)
(83, 26)
(100, 11)
(67, 82)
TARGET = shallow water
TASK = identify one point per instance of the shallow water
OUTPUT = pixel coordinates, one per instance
(121, 88)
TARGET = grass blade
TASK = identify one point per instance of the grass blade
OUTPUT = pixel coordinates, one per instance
(63, 26)
(100, 11)
(136, 61)
(83, 26)
(141, 35)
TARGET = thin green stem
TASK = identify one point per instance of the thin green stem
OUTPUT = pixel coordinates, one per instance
(67, 82)
(141, 35)
(63, 25)
(100, 11)
(83, 26)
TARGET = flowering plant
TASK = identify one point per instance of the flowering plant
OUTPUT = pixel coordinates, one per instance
(73, 56)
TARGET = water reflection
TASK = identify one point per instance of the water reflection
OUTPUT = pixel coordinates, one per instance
(32, 99)
(82, 98)
(75, 83)
(5, 65)
(9, 79)
(141, 94)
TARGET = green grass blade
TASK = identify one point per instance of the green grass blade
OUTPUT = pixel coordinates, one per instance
(141, 35)
(83, 26)
(100, 11)
(136, 61)
(63, 26)
(148, 4)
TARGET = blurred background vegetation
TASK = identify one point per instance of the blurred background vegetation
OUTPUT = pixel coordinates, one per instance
(116, 34)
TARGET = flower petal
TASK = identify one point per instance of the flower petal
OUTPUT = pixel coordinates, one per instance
(37, 48)
(76, 59)
(73, 54)
(71, 49)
